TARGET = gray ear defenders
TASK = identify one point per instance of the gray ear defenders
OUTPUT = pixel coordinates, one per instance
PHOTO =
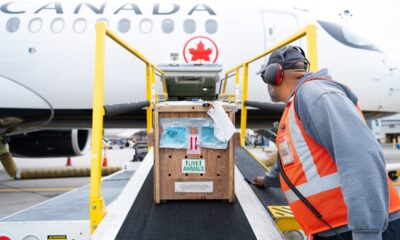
(273, 73)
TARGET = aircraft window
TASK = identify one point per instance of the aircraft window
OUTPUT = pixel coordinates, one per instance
(13, 24)
(168, 25)
(146, 25)
(345, 36)
(80, 25)
(35, 25)
(57, 25)
(189, 26)
(124, 25)
(211, 26)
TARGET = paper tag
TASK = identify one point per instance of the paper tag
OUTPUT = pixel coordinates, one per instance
(196, 187)
(286, 154)
(223, 126)
(193, 166)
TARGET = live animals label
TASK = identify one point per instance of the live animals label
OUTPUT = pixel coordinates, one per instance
(193, 166)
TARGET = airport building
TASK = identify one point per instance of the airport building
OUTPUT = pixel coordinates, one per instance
(387, 129)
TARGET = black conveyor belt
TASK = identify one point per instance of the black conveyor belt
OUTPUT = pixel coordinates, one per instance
(251, 168)
(195, 219)
(183, 219)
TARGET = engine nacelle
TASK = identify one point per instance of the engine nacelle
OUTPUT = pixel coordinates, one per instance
(51, 143)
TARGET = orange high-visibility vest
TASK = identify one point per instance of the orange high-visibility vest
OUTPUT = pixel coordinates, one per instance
(312, 170)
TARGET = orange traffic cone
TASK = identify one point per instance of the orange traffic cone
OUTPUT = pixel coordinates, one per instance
(105, 161)
(69, 162)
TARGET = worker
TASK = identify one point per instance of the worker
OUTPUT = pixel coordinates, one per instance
(328, 154)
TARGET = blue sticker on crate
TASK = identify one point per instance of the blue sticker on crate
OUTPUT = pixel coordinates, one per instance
(207, 139)
(175, 137)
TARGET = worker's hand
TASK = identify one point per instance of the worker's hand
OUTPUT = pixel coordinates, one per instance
(259, 181)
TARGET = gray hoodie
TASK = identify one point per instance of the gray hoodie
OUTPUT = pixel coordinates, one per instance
(328, 114)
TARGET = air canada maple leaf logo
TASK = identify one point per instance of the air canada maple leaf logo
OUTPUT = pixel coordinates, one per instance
(200, 53)
(200, 49)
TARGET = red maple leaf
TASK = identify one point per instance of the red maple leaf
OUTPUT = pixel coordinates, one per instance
(200, 53)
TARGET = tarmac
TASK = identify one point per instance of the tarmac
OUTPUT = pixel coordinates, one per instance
(16, 195)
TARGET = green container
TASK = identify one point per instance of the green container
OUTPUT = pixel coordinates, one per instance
(191, 87)
(191, 82)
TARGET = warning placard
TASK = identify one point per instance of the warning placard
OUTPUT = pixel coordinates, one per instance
(193, 166)
(194, 149)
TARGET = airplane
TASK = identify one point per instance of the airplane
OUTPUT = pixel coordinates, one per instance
(47, 61)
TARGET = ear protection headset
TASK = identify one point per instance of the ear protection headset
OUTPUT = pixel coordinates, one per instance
(273, 73)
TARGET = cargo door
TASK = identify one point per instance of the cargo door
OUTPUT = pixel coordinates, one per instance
(277, 26)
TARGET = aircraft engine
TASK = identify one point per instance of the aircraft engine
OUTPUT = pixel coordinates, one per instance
(51, 143)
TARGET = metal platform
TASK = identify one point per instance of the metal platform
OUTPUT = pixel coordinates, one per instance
(67, 214)
(246, 218)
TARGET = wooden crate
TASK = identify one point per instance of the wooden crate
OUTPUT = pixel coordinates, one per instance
(170, 183)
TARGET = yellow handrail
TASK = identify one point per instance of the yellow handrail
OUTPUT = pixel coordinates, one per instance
(130, 49)
(310, 32)
(96, 202)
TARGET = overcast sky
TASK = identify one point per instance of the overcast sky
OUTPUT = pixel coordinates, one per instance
(376, 20)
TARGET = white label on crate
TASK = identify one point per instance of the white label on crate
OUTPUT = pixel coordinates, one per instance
(194, 149)
(194, 187)
(193, 166)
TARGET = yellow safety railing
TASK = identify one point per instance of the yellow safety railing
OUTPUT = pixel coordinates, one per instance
(309, 32)
(97, 206)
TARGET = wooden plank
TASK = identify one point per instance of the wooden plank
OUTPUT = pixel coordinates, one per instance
(236, 137)
(232, 145)
(156, 158)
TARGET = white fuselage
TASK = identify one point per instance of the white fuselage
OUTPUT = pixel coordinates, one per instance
(59, 64)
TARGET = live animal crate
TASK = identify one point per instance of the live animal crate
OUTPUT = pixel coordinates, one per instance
(194, 173)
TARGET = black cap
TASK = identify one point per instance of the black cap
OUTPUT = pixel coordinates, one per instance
(287, 57)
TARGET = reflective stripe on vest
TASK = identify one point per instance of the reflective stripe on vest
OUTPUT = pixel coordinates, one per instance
(313, 187)
(315, 184)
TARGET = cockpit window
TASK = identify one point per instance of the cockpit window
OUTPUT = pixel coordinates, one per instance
(13, 24)
(347, 37)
